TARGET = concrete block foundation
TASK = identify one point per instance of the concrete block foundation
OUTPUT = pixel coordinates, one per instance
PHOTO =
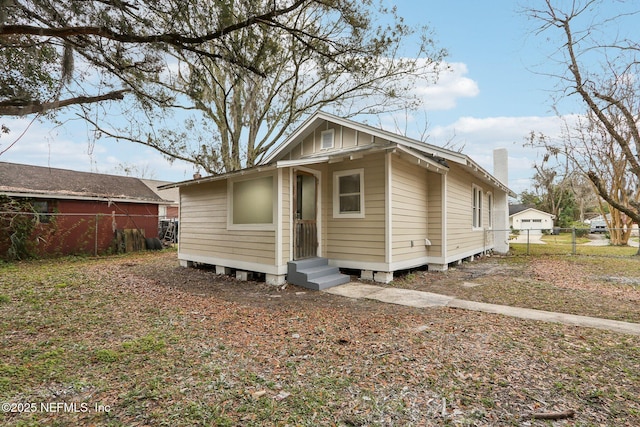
(437, 267)
(383, 276)
(366, 274)
(244, 275)
(275, 279)
(220, 269)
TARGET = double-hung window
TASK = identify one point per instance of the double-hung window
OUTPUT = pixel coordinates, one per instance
(477, 207)
(348, 194)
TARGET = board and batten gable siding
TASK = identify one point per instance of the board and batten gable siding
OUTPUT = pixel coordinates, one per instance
(409, 210)
(344, 138)
(358, 239)
(462, 239)
(204, 231)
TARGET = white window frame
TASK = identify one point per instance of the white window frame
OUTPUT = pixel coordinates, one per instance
(259, 226)
(476, 207)
(336, 194)
(333, 139)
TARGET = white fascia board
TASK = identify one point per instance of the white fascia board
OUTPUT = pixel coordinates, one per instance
(301, 162)
(241, 172)
(423, 161)
(480, 172)
(299, 131)
(532, 210)
(424, 148)
(400, 140)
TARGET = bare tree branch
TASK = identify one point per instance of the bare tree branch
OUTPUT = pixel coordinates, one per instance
(14, 108)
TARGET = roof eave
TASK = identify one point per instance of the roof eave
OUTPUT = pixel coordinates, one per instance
(480, 172)
(62, 196)
(213, 178)
(423, 147)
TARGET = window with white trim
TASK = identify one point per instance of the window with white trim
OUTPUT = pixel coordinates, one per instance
(348, 194)
(326, 139)
(477, 207)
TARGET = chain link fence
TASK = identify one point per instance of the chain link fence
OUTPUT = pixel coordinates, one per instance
(575, 241)
(32, 234)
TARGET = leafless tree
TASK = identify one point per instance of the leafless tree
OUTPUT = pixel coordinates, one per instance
(601, 71)
(209, 82)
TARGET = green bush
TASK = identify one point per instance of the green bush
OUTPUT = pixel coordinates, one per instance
(17, 223)
(581, 228)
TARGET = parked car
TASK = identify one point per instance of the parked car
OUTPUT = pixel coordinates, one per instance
(598, 226)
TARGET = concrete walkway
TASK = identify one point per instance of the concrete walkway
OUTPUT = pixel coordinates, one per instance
(420, 299)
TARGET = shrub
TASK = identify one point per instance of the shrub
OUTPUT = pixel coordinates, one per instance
(581, 228)
(17, 222)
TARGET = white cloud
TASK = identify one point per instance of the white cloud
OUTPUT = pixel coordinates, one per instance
(478, 137)
(452, 85)
(44, 144)
(69, 147)
(500, 130)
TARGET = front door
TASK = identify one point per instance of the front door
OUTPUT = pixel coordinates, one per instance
(304, 214)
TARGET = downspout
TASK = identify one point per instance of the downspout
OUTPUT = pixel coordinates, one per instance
(388, 255)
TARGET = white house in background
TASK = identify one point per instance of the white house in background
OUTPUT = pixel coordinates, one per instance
(523, 217)
(340, 194)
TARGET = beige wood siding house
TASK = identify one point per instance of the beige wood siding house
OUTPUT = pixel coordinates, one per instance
(361, 197)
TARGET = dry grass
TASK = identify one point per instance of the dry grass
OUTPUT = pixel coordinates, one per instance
(585, 285)
(159, 345)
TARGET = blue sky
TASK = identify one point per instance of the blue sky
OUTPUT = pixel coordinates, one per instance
(493, 98)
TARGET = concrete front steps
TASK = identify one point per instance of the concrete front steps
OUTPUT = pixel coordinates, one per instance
(315, 273)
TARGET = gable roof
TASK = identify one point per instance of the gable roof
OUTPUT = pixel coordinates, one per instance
(171, 194)
(316, 119)
(20, 180)
(427, 154)
(519, 208)
(409, 145)
(516, 208)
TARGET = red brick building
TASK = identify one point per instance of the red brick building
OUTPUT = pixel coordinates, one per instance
(79, 212)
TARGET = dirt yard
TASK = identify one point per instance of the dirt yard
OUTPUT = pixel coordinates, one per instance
(569, 285)
(158, 345)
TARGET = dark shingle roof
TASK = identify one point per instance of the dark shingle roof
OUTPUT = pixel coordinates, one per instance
(514, 209)
(37, 181)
